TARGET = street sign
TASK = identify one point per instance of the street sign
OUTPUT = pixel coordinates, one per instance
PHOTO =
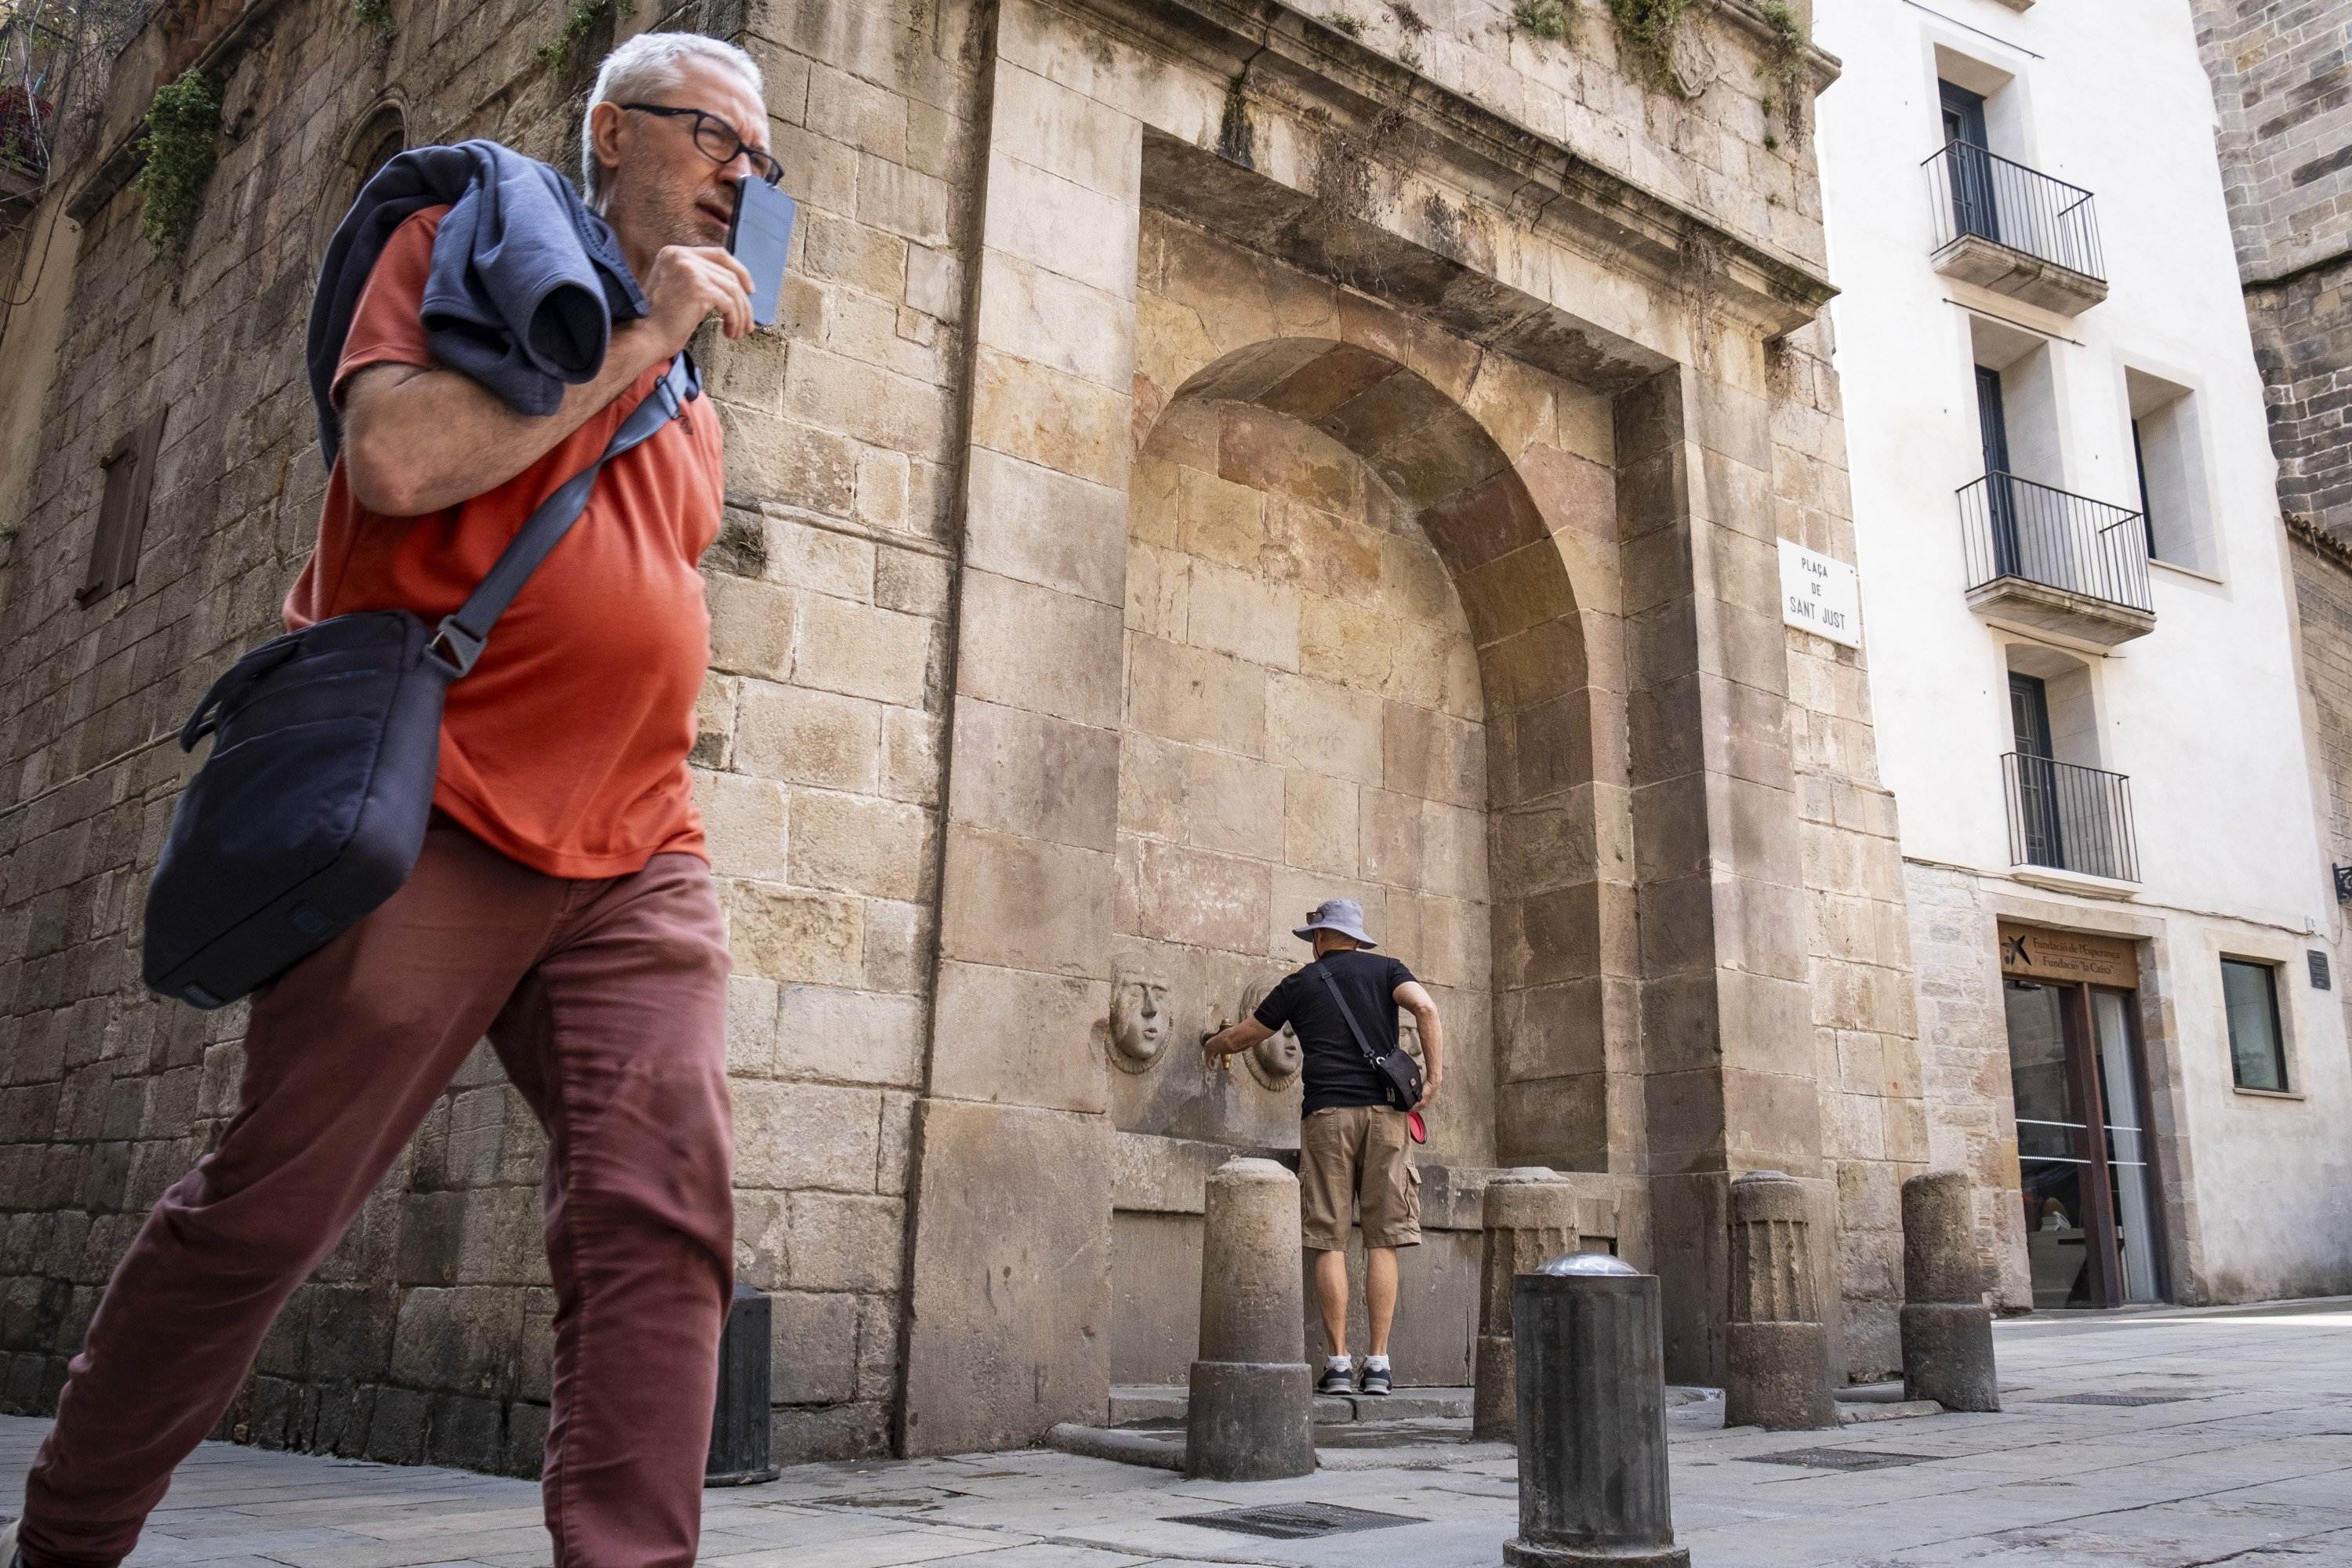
(1819, 594)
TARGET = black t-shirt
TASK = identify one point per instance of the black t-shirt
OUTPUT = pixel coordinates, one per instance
(1330, 1062)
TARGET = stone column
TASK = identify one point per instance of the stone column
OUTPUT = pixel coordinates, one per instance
(1946, 1328)
(1529, 1216)
(1251, 1415)
(1778, 1371)
(1592, 1418)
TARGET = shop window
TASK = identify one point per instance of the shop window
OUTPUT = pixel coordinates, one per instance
(122, 511)
(2257, 1046)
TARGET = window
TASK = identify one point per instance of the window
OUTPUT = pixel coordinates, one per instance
(2257, 1051)
(2170, 460)
(122, 511)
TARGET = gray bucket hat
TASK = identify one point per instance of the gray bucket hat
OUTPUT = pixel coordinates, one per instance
(1343, 915)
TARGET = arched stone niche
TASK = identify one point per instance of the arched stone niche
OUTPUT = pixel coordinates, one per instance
(1371, 649)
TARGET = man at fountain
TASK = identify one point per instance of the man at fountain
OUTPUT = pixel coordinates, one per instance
(1354, 1148)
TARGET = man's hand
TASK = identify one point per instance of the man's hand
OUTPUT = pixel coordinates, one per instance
(1428, 1094)
(687, 285)
(1218, 1044)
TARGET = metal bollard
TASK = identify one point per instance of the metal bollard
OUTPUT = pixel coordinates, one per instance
(1529, 1214)
(1251, 1415)
(1592, 1418)
(739, 1421)
(1778, 1372)
(1946, 1328)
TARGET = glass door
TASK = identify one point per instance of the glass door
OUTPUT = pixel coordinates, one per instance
(2037, 772)
(1974, 209)
(2052, 1153)
(2085, 1166)
(2131, 1175)
(2001, 493)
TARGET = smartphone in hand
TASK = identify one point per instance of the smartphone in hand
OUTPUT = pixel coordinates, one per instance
(759, 238)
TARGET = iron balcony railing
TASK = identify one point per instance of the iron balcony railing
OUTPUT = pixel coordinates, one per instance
(1981, 192)
(2014, 528)
(2070, 819)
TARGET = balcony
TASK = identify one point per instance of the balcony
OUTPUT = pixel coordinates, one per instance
(2070, 819)
(2014, 230)
(2046, 560)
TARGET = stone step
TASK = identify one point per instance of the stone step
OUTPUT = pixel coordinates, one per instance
(1162, 1405)
(1852, 1414)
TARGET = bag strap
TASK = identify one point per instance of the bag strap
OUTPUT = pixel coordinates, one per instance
(457, 642)
(1348, 1013)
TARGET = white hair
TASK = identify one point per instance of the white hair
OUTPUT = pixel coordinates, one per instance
(651, 62)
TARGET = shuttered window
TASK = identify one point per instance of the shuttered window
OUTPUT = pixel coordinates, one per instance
(122, 511)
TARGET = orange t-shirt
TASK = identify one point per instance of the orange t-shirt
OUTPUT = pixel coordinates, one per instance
(566, 749)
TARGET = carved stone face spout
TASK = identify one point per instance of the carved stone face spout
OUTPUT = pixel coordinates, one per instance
(1140, 1022)
(1273, 1061)
(1409, 1034)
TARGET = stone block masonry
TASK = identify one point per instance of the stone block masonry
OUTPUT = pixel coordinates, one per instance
(425, 1336)
(1211, 460)
(2282, 89)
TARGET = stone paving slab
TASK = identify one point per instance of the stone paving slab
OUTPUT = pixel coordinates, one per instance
(2252, 1468)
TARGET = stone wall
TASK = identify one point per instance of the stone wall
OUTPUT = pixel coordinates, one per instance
(1866, 1033)
(818, 769)
(1964, 1062)
(1008, 702)
(2283, 89)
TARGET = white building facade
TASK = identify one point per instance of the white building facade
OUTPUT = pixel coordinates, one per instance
(2080, 631)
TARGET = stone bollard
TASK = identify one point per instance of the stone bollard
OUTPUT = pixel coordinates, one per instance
(1251, 1416)
(1529, 1215)
(1778, 1372)
(1946, 1328)
(1592, 1418)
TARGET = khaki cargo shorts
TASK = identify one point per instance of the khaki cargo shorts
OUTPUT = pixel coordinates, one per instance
(1357, 1156)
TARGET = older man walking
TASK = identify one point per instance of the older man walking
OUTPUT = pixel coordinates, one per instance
(562, 904)
(1355, 1152)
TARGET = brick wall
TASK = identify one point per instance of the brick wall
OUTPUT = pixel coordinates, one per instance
(818, 765)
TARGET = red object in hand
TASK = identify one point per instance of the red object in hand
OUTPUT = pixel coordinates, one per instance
(1416, 1126)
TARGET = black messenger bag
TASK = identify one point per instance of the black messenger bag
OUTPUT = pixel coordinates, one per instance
(311, 807)
(1399, 1075)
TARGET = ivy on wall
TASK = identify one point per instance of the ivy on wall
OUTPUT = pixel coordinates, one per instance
(1549, 20)
(1784, 69)
(179, 146)
(376, 14)
(1649, 30)
(581, 20)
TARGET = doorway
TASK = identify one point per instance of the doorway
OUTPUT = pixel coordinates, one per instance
(1974, 208)
(2085, 1169)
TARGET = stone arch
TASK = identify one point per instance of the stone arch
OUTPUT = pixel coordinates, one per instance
(373, 139)
(1550, 778)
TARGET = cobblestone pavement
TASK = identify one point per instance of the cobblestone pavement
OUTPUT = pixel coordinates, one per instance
(2242, 1455)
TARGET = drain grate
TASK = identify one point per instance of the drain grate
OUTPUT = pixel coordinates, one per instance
(2114, 1399)
(1840, 1458)
(1296, 1521)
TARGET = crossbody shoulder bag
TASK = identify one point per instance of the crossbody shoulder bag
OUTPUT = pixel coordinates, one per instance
(1399, 1075)
(311, 809)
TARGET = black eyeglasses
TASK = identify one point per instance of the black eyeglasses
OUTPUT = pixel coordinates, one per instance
(716, 140)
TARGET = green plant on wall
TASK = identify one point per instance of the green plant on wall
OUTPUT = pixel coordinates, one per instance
(1648, 29)
(1549, 20)
(183, 127)
(376, 14)
(1784, 67)
(581, 20)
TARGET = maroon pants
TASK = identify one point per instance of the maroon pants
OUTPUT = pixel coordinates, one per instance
(607, 1001)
